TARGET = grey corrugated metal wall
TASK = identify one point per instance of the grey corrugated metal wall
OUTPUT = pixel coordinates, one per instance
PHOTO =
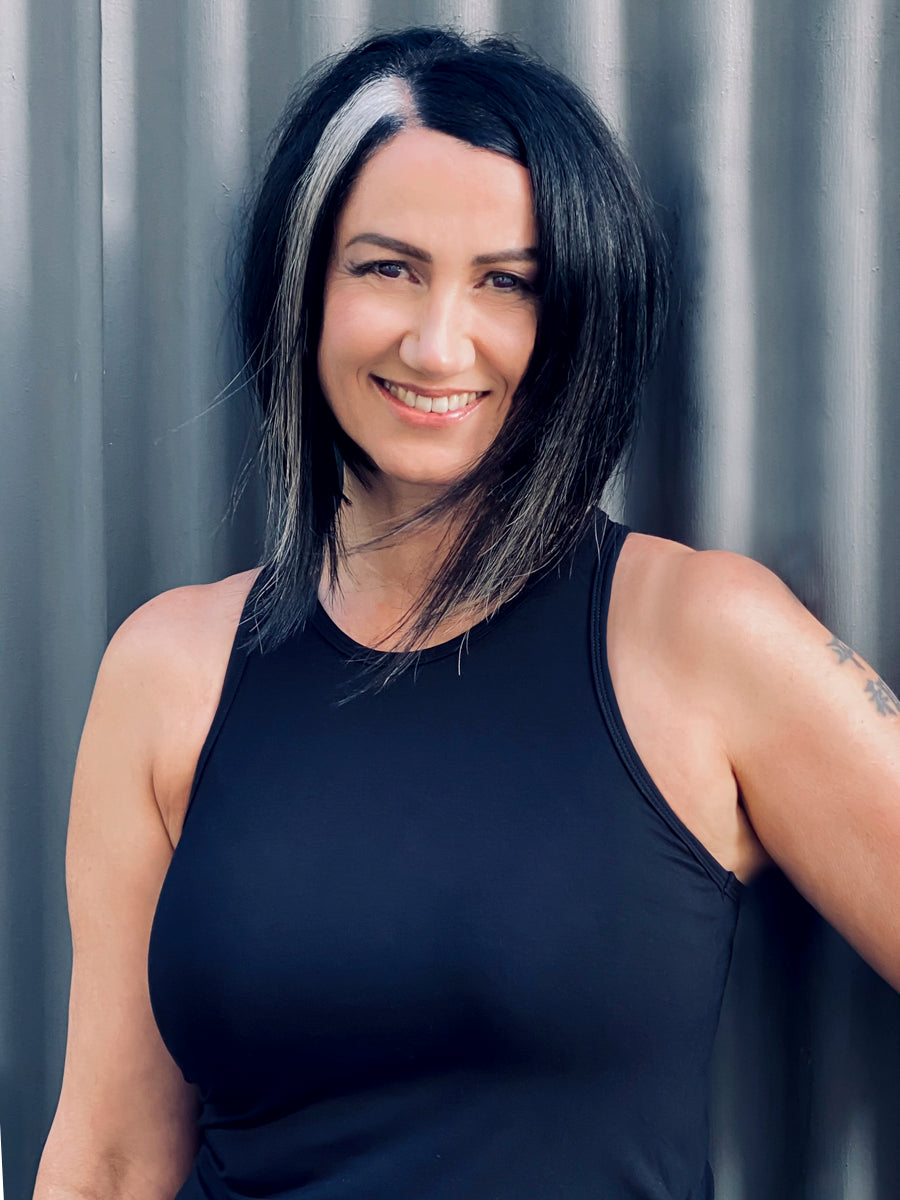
(770, 135)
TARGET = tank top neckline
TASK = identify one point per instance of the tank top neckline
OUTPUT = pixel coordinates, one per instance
(355, 651)
(358, 652)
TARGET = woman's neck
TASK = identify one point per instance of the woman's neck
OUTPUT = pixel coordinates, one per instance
(377, 587)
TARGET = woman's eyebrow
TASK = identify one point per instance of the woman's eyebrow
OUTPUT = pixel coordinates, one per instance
(389, 243)
(527, 254)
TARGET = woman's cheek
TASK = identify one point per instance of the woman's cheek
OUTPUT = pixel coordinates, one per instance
(369, 324)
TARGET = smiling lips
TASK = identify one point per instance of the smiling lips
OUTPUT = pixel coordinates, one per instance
(429, 404)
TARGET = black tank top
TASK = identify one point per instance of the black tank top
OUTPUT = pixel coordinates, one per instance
(446, 940)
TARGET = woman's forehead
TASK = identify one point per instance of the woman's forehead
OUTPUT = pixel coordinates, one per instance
(425, 187)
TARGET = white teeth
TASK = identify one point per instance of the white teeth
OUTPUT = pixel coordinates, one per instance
(438, 404)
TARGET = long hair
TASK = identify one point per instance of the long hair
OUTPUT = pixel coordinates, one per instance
(602, 300)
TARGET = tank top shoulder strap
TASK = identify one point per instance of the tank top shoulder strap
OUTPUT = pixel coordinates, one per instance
(610, 541)
(242, 647)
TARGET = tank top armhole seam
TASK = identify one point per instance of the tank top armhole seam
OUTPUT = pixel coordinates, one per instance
(234, 672)
(601, 590)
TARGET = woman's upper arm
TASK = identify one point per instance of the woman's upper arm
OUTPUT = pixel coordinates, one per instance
(125, 1125)
(813, 737)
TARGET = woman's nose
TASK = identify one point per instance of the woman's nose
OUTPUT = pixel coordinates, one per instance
(438, 342)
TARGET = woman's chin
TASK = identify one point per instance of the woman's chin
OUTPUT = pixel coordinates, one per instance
(427, 482)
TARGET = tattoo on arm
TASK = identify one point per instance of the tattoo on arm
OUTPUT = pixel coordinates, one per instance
(883, 698)
(878, 692)
(844, 653)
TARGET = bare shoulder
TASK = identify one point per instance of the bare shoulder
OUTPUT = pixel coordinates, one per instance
(173, 621)
(724, 626)
(705, 603)
(174, 648)
(808, 729)
(664, 675)
(161, 678)
(699, 642)
(703, 576)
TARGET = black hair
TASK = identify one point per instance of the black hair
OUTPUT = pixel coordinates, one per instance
(602, 303)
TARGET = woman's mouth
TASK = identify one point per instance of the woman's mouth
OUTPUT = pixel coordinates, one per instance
(449, 403)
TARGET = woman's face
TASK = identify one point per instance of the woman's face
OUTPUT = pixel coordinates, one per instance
(430, 311)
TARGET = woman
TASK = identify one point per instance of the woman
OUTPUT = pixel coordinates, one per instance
(474, 777)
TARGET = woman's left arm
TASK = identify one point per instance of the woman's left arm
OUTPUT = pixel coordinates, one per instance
(812, 733)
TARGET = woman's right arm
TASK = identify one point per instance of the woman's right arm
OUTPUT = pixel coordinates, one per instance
(126, 1122)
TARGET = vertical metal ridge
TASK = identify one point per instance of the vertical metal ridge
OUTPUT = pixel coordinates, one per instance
(724, 362)
(849, 226)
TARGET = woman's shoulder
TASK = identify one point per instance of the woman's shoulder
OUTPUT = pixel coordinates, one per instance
(702, 595)
(184, 612)
(184, 631)
(161, 678)
(807, 727)
(698, 642)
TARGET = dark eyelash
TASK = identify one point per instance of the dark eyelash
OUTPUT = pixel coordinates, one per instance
(371, 268)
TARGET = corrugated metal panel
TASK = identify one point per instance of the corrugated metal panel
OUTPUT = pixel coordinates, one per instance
(769, 134)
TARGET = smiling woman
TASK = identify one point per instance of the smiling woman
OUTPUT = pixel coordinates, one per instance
(345, 929)
(420, 355)
(499, 156)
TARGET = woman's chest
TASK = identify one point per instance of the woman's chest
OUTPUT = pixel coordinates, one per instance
(421, 875)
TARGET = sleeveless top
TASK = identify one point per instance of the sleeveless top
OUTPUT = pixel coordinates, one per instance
(446, 940)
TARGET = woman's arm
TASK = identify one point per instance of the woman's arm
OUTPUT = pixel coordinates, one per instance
(126, 1121)
(813, 737)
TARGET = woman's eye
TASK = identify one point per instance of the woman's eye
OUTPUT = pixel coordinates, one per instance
(502, 281)
(381, 269)
(389, 270)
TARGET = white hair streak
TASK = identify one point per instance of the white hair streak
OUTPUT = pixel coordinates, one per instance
(384, 96)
